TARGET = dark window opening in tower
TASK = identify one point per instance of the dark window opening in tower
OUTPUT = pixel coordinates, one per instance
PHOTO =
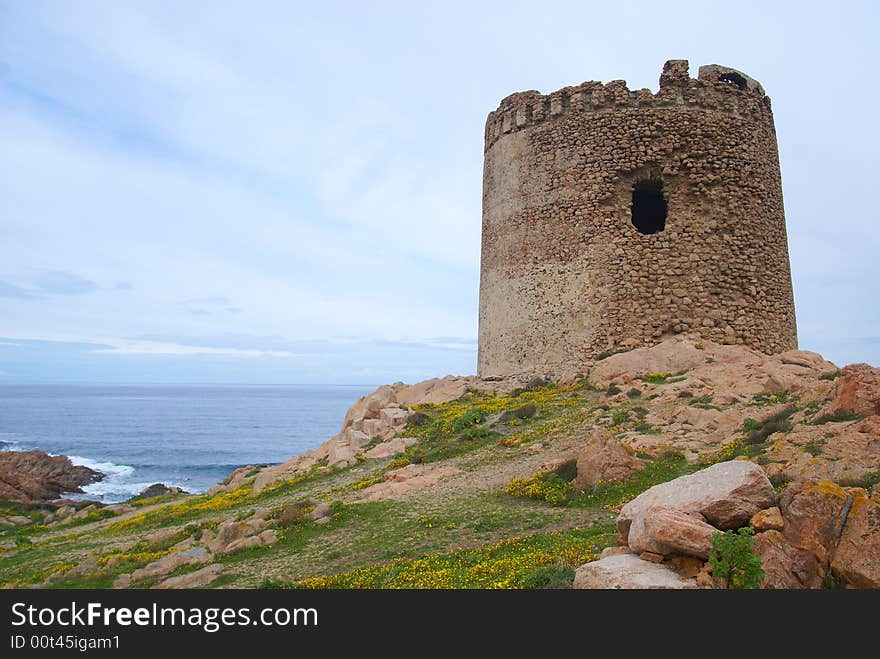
(734, 79)
(648, 207)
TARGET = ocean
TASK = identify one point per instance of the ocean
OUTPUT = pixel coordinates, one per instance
(189, 436)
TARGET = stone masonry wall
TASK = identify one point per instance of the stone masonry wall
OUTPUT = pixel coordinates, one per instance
(566, 276)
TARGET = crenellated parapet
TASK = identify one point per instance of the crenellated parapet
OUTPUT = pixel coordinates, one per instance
(717, 88)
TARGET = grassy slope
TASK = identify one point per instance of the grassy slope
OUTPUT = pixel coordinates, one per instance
(448, 535)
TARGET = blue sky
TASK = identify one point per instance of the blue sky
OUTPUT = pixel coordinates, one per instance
(287, 192)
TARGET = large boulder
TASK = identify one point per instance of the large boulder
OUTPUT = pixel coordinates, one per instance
(33, 476)
(727, 494)
(858, 389)
(672, 356)
(668, 531)
(267, 537)
(857, 557)
(400, 482)
(391, 447)
(171, 562)
(814, 513)
(604, 458)
(785, 566)
(231, 532)
(198, 579)
(628, 571)
(767, 520)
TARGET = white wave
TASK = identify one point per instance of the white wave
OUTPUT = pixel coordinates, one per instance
(109, 469)
(7, 444)
(117, 485)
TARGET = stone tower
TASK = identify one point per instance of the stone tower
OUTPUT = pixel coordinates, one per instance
(616, 218)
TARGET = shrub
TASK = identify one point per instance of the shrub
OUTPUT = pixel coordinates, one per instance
(663, 378)
(619, 417)
(534, 384)
(476, 433)
(336, 507)
(605, 354)
(546, 577)
(868, 481)
(814, 448)
(704, 401)
(779, 482)
(634, 393)
(416, 419)
(470, 418)
(733, 560)
(759, 431)
(685, 394)
(762, 400)
(397, 463)
(613, 390)
(523, 412)
(831, 375)
(835, 417)
(543, 486)
(294, 514)
(568, 470)
(537, 383)
(365, 482)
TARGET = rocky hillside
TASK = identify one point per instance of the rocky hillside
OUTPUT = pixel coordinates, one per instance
(634, 467)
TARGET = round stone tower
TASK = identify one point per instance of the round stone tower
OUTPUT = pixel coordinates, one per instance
(614, 219)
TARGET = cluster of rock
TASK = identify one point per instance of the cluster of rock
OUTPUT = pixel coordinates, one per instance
(231, 536)
(813, 533)
(729, 378)
(157, 490)
(35, 476)
(398, 483)
(371, 427)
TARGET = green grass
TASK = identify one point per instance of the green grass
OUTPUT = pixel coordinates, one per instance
(765, 400)
(703, 402)
(512, 563)
(555, 488)
(814, 448)
(663, 378)
(614, 495)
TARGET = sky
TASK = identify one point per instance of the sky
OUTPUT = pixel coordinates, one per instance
(290, 192)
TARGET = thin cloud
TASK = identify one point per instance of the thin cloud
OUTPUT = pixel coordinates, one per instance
(59, 282)
(16, 292)
(156, 348)
(206, 300)
(208, 306)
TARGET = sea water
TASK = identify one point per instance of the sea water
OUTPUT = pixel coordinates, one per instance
(189, 436)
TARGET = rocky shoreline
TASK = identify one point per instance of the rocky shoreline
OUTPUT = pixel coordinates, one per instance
(37, 477)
